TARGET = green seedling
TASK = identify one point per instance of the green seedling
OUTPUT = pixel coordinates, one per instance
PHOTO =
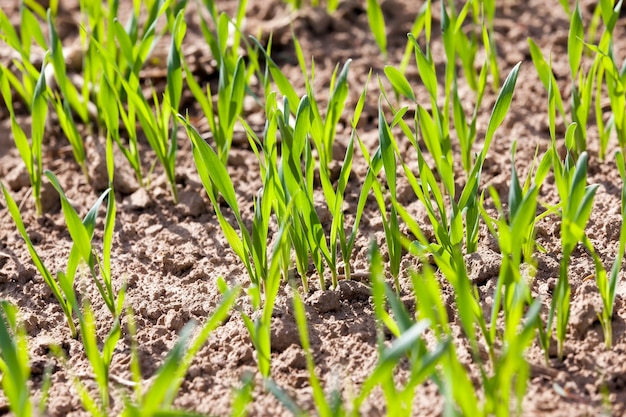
(452, 268)
(100, 359)
(160, 126)
(82, 249)
(457, 44)
(607, 287)
(31, 151)
(283, 397)
(68, 91)
(307, 131)
(250, 248)
(259, 328)
(281, 177)
(465, 46)
(235, 73)
(307, 234)
(605, 14)
(434, 129)
(230, 95)
(109, 98)
(391, 223)
(466, 131)
(323, 405)
(323, 135)
(129, 46)
(583, 90)
(616, 88)
(546, 75)
(576, 205)
(399, 82)
(116, 71)
(422, 23)
(156, 126)
(607, 283)
(294, 150)
(22, 42)
(217, 183)
(135, 368)
(408, 343)
(234, 77)
(511, 370)
(338, 228)
(65, 98)
(96, 22)
(447, 224)
(583, 93)
(242, 396)
(377, 24)
(157, 399)
(454, 382)
(322, 128)
(226, 39)
(14, 362)
(61, 287)
(272, 196)
(488, 14)
(125, 63)
(515, 234)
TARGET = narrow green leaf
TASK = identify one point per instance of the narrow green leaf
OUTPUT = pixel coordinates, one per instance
(399, 82)
(575, 41)
(501, 107)
(48, 279)
(377, 24)
(78, 232)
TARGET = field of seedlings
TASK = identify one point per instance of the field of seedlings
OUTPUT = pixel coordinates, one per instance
(277, 207)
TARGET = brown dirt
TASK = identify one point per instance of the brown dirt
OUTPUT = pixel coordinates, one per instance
(170, 255)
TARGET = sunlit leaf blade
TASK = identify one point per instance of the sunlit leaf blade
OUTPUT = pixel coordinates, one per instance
(377, 24)
(503, 102)
(399, 82)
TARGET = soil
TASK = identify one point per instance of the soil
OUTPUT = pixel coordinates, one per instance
(171, 255)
